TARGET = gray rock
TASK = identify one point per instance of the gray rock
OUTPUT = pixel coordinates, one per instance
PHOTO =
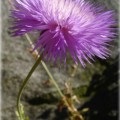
(17, 62)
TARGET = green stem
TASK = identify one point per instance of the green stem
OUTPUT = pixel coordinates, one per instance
(25, 83)
(48, 72)
(52, 79)
(45, 67)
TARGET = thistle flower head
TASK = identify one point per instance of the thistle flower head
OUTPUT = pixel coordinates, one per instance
(67, 26)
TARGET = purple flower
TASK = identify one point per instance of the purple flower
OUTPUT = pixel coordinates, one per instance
(67, 26)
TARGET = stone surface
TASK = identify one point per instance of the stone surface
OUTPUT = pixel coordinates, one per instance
(40, 100)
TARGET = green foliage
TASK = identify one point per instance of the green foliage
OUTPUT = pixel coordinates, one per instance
(80, 91)
(21, 114)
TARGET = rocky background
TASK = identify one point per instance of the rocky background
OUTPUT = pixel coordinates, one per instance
(96, 86)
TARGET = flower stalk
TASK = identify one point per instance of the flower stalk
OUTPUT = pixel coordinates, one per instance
(44, 66)
(25, 83)
(68, 102)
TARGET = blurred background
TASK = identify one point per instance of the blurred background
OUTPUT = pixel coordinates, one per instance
(96, 86)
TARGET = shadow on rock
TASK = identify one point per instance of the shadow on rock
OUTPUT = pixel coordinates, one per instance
(103, 92)
(55, 114)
